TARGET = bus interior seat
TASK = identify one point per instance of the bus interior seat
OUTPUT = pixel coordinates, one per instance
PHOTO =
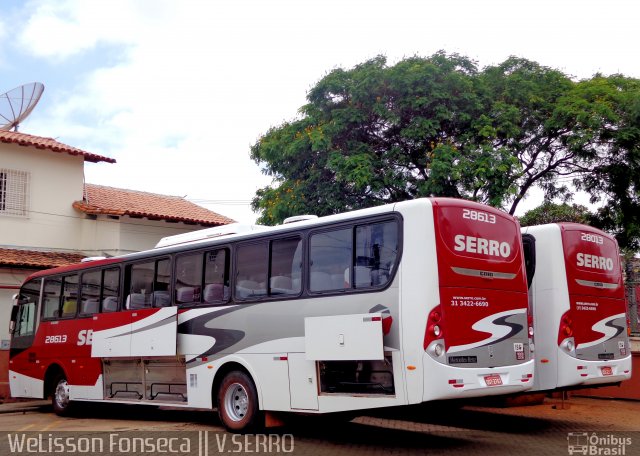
(110, 304)
(213, 292)
(90, 306)
(282, 285)
(136, 301)
(161, 299)
(186, 294)
(320, 281)
(362, 276)
(247, 288)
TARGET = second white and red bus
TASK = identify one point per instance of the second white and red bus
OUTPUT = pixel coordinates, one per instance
(578, 302)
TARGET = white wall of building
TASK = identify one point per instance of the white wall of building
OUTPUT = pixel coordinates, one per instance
(56, 181)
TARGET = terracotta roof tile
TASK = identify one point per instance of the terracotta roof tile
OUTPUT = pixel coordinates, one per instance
(37, 259)
(22, 139)
(117, 201)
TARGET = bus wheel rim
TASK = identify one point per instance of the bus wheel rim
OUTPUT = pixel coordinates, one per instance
(236, 402)
(62, 394)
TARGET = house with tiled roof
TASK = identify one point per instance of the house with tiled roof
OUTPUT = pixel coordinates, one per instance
(49, 217)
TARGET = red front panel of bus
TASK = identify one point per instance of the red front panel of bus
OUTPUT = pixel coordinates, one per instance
(483, 287)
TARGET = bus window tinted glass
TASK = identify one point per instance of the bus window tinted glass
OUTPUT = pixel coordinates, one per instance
(110, 289)
(51, 298)
(90, 292)
(70, 296)
(330, 260)
(188, 278)
(140, 285)
(161, 296)
(376, 251)
(216, 276)
(286, 266)
(252, 266)
(25, 321)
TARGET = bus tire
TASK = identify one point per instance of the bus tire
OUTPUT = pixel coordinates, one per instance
(62, 405)
(238, 403)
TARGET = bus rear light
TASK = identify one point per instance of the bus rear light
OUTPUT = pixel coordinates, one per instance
(566, 330)
(456, 382)
(435, 327)
(437, 350)
(581, 367)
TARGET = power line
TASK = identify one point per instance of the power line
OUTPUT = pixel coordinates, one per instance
(120, 222)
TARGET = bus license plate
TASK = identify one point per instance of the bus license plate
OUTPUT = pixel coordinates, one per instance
(493, 380)
(607, 371)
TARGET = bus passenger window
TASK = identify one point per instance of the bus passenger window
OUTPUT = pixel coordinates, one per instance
(286, 267)
(376, 251)
(90, 292)
(330, 260)
(70, 296)
(161, 283)
(110, 289)
(188, 278)
(51, 298)
(251, 274)
(140, 285)
(216, 276)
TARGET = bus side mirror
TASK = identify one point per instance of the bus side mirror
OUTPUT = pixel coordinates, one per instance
(14, 316)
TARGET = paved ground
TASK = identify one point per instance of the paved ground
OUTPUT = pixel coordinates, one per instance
(597, 426)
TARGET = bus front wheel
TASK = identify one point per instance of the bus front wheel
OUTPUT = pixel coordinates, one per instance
(238, 403)
(60, 397)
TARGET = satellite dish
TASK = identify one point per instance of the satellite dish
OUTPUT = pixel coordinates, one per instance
(17, 104)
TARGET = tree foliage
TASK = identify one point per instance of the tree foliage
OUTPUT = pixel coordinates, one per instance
(549, 212)
(440, 126)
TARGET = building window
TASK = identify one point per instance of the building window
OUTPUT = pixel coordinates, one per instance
(14, 192)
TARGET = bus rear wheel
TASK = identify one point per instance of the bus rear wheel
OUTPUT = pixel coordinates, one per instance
(238, 403)
(62, 405)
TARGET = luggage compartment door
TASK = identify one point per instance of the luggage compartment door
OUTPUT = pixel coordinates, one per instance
(344, 337)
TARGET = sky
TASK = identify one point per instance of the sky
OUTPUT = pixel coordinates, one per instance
(177, 91)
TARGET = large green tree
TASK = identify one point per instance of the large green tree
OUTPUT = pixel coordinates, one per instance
(549, 212)
(380, 133)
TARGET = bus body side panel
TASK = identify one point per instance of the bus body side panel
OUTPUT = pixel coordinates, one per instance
(550, 300)
(579, 308)
(419, 293)
(209, 338)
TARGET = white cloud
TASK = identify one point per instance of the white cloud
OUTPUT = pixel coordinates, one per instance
(196, 82)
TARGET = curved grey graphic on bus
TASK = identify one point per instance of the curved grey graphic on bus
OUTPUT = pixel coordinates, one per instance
(612, 344)
(279, 320)
(507, 342)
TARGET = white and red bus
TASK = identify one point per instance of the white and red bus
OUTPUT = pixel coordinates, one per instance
(579, 307)
(393, 305)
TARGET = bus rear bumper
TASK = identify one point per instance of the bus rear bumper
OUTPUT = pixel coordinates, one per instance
(447, 382)
(573, 371)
